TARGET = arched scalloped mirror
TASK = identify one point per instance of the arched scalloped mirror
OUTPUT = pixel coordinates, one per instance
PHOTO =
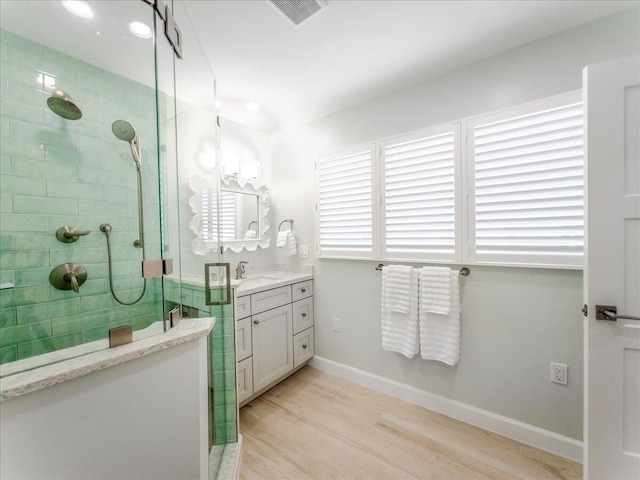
(242, 211)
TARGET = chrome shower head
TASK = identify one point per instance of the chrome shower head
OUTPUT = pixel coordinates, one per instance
(62, 105)
(123, 130)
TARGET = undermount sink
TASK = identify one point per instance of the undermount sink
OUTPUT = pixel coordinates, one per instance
(264, 280)
(259, 281)
(262, 277)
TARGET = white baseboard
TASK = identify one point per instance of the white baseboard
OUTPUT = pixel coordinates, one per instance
(505, 426)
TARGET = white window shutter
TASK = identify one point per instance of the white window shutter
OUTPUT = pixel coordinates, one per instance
(227, 215)
(421, 207)
(527, 188)
(344, 217)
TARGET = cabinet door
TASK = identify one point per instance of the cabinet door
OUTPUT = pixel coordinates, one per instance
(243, 339)
(272, 341)
(302, 315)
(245, 379)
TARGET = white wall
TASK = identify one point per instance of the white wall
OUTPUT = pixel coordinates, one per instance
(143, 419)
(197, 141)
(515, 321)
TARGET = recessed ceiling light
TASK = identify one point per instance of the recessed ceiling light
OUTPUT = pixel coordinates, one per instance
(78, 7)
(140, 29)
(252, 106)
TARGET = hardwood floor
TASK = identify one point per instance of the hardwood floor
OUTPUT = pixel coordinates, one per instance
(317, 426)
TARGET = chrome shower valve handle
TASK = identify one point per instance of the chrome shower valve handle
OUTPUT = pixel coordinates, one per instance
(70, 234)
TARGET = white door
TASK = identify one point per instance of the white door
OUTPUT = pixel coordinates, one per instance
(612, 270)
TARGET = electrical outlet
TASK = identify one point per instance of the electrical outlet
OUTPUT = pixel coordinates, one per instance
(559, 373)
(336, 324)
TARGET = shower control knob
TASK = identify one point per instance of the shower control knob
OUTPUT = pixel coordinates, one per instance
(68, 276)
(70, 234)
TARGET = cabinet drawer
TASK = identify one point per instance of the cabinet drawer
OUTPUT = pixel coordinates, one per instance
(243, 339)
(303, 348)
(243, 307)
(302, 290)
(245, 379)
(263, 301)
(302, 315)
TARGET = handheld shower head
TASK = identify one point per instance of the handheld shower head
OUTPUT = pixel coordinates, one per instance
(123, 130)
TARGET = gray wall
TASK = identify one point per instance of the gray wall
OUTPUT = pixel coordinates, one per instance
(515, 321)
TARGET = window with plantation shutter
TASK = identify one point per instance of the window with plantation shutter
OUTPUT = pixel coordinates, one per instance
(420, 201)
(526, 184)
(511, 194)
(344, 216)
(210, 221)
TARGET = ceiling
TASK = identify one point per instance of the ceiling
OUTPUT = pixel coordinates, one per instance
(348, 53)
(354, 51)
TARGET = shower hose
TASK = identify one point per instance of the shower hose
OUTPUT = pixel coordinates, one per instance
(106, 228)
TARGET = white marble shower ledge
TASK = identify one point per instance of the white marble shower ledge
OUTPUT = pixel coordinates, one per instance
(45, 376)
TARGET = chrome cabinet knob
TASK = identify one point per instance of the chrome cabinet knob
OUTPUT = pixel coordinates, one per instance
(304, 314)
(303, 290)
(256, 322)
(304, 346)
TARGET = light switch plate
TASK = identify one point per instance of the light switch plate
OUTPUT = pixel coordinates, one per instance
(303, 251)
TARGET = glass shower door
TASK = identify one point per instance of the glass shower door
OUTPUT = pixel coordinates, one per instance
(79, 178)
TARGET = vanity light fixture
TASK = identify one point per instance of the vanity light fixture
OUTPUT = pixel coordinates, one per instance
(140, 29)
(78, 7)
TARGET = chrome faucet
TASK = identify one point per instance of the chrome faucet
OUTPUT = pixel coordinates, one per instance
(240, 270)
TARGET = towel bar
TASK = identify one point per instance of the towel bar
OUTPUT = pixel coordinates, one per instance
(289, 221)
(464, 271)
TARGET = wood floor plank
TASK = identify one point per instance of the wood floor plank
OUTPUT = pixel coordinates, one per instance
(317, 426)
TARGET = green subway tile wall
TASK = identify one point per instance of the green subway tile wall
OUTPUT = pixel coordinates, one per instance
(57, 172)
(222, 359)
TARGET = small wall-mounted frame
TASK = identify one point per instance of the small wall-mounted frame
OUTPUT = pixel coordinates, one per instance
(217, 283)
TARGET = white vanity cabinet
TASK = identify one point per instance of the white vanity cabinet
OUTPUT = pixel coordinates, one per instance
(274, 336)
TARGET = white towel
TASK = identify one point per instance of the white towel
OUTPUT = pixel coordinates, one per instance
(435, 289)
(396, 290)
(281, 239)
(250, 235)
(440, 334)
(292, 244)
(287, 240)
(400, 330)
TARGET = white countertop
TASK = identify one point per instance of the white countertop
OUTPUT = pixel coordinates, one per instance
(21, 383)
(258, 282)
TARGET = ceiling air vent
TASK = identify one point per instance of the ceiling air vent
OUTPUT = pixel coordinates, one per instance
(298, 11)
